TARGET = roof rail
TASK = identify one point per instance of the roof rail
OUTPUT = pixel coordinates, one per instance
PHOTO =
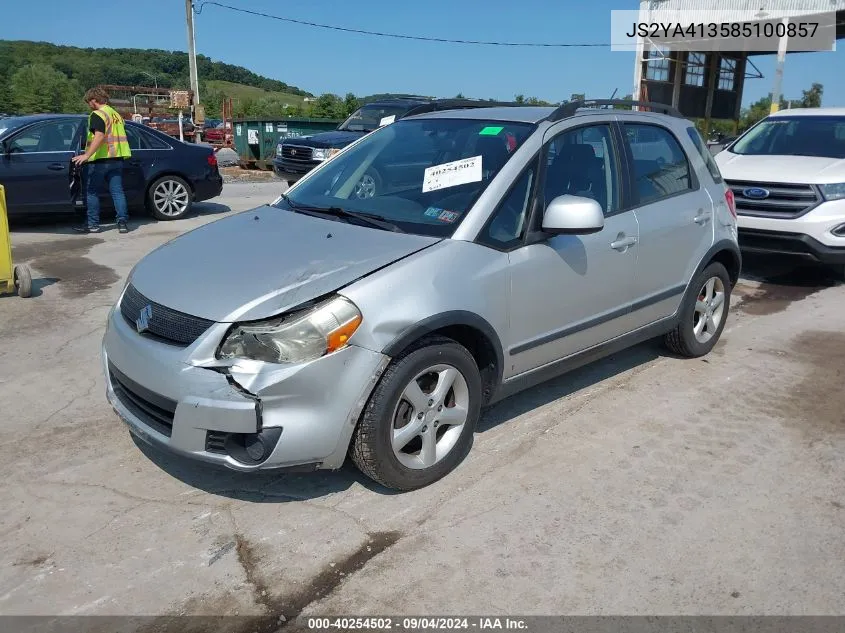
(455, 104)
(566, 110)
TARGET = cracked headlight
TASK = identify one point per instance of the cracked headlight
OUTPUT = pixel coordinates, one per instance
(297, 337)
(324, 153)
(835, 191)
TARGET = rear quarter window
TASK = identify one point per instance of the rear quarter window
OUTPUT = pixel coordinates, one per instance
(705, 154)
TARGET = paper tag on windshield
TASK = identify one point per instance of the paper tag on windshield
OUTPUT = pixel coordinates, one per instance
(459, 172)
(387, 120)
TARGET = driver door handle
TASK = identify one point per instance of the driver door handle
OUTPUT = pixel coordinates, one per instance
(622, 242)
(55, 167)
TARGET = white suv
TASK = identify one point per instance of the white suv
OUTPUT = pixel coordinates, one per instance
(788, 178)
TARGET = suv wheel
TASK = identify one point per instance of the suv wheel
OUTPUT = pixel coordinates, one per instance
(703, 313)
(419, 422)
(169, 198)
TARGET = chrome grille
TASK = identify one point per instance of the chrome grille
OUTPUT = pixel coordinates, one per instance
(170, 326)
(785, 200)
(297, 152)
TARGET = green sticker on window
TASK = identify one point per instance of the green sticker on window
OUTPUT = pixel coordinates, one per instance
(490, 131)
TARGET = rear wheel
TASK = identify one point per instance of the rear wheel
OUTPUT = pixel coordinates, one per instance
(169, 198)
(703, 313)
(419, 422)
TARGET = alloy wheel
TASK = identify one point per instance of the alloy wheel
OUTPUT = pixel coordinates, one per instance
(366, 187)
(709, 310)
(171, 198)
(429, 417)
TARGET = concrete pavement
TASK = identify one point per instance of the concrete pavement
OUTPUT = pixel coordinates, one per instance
(643, 484)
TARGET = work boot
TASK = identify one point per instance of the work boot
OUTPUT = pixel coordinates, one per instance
(121, 226)
(84, 228)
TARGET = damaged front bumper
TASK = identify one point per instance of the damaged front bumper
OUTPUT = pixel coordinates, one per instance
(245, 415)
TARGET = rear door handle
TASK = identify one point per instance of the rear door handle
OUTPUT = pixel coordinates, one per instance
(622, 242)
(55, 167)
(703, 217)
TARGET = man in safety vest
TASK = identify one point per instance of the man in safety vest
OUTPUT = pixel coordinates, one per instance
(105, 152)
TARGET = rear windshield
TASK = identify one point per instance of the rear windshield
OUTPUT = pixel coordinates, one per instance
(820, 136)
(371, 117)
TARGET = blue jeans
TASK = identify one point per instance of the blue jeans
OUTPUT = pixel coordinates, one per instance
(101, 173)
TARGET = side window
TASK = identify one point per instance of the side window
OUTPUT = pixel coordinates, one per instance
(53, 136)
(134, 138)
(153, 142)
(661, 168)
(581, 162)
(507, 225)
(706, 156)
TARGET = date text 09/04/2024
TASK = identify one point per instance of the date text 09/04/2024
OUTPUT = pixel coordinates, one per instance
(715, 29)
(414, 623)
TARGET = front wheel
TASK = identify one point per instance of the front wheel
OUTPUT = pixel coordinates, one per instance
(419, 422)
(703, 313)
(169, 198)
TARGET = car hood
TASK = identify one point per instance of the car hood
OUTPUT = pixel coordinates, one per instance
(327, 139)
(788, 169)
(260, 263)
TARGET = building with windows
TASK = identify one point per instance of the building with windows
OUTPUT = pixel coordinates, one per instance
(708, 84)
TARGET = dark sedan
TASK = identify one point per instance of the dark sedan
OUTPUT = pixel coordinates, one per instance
(164, 174)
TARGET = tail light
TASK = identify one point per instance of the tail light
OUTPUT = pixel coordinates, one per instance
(212, 160)
(729, 198)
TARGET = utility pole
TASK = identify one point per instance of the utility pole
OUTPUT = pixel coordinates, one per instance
(192, 62)
(779, 69)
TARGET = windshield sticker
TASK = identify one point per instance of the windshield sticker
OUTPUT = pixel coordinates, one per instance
(433, 212)
(459, 172)
(490, 130)
(387, 120)
(448, 216)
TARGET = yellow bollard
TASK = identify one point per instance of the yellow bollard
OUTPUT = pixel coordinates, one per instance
(12, 278)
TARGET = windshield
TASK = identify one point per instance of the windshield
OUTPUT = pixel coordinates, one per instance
(369, 117)
(420, 174)
(795, 136)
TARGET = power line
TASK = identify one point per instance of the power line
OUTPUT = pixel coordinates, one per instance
(199, 7)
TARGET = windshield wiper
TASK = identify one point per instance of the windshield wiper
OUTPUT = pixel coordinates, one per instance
(368, 218)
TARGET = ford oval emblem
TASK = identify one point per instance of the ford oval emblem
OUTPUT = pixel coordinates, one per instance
(756, 193)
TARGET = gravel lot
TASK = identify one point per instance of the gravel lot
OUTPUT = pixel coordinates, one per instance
(643, 484)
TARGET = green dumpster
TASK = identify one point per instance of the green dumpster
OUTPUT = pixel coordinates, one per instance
(256, 138)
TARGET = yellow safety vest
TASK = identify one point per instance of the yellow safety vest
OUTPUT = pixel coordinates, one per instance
(116, 144)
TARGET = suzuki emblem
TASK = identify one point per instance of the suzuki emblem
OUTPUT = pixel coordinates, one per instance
(756, 193)
(142, 323)
(293, 152)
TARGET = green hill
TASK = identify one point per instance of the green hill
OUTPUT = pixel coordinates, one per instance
(44, 77)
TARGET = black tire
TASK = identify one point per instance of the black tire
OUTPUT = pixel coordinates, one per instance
(838, 272)
(681, 340)
(23, 281)
(371, 448)
(165, 181)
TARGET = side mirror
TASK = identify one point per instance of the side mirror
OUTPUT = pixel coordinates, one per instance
(573, 215)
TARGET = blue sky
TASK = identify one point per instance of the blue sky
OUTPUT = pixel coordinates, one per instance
(324, 61)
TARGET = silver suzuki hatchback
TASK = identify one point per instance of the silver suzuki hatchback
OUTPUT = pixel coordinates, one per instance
(431, 268)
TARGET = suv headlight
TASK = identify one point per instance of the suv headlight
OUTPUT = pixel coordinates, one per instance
(279, 149)
(324, 153)
(835, 191)
(297, 337)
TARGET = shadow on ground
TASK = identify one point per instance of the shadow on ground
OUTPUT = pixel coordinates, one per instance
(63, 224)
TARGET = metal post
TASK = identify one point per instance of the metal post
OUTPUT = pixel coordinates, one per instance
(192, 57)
(678, 69)
(779, 69)
(181, 133)
(713, 65)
